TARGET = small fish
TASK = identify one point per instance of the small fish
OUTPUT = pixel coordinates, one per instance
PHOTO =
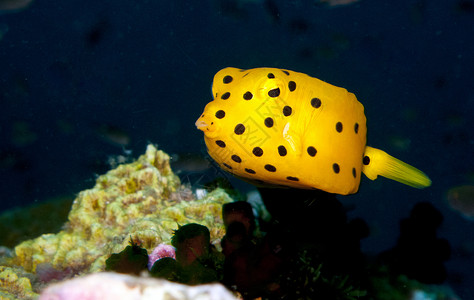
(113, 134)
(13, 5)
(280, 127)
(461, 199)
(189, 163)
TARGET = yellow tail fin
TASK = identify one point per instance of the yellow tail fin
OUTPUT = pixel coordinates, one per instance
(378, 162)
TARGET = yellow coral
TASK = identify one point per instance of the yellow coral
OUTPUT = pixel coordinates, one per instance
(15, 286)
(130, 200)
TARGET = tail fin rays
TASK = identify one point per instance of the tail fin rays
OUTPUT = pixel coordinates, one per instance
(383, 164)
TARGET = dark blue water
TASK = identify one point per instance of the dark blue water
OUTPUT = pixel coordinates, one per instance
(76, 74)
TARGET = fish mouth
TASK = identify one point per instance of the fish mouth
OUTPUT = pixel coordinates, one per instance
(201, 125)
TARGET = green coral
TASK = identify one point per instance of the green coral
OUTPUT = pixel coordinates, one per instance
(140, 199)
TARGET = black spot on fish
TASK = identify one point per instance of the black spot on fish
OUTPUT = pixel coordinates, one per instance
(311, 151)
(227, 79)
(268, 122)
(274, 93)
(250, 171)
(239, 129)
(292, 86)
(316, 102)
(257, 151)
(366, 160)
(220, 114)
(282, 150)
(236, 158)
(270, 168)
(287, 111)
(248, 95)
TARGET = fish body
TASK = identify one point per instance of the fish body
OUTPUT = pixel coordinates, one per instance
(280, 127)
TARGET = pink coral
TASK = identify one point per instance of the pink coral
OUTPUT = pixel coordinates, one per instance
(161, 251)
(114, 286)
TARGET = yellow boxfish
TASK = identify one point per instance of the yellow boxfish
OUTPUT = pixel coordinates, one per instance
(279, 127)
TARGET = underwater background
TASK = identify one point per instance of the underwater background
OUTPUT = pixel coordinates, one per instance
(85, 84)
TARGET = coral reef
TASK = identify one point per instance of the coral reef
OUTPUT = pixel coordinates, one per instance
(15, 284)
(142, 199)
(161, 251)
(138, 217)
(132, 260)
(197, 260)
(191, 260)
(112, 286)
